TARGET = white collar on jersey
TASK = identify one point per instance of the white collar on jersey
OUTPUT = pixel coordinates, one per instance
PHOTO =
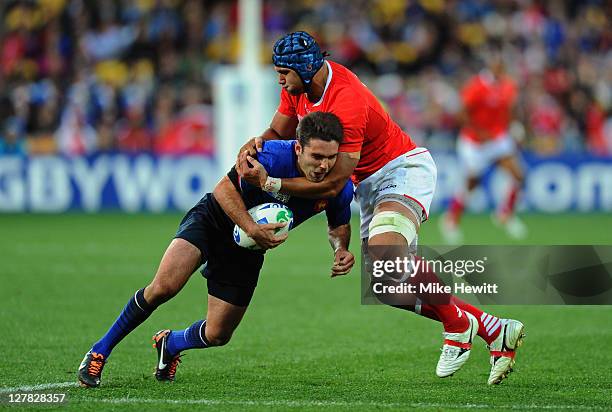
(329, 77)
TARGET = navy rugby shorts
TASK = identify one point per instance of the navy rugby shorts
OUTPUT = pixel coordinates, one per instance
(231, 271)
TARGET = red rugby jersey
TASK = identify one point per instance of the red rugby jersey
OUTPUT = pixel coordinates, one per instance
(488, 104)
(368, 128)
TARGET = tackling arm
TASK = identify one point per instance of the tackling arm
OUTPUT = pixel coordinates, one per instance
(329, 187)
(281, 127)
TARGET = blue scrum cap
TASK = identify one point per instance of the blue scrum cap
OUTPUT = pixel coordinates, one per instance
(300, 52)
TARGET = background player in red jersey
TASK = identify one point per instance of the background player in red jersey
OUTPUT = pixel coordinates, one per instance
(489, 99)
(395, 182)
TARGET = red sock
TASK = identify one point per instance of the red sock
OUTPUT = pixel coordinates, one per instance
(438, 307)
(455, 209)
(443, 308)
(447, 314)
(427, 311)
(489, 326)
(450, 315)
(510, 202)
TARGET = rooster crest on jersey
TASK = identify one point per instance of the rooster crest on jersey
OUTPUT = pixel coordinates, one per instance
(299, 52)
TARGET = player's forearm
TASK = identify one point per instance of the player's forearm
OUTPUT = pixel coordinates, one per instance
(232, 204)
(302, 187)
(340, 237)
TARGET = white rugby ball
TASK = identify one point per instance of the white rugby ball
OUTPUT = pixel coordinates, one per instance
(262, 214)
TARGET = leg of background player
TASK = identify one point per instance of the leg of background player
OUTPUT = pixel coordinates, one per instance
(511, 165)
(451, 220)
(505, 215)
(457, 205)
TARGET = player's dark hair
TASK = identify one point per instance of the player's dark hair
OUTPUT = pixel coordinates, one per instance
(320, 125)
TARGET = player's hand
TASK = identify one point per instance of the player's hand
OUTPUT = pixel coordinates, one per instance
(251, 148)
(343, 262)
(264, 235)
(252, 171)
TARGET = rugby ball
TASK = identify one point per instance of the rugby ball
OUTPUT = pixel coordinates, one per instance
(262, 214)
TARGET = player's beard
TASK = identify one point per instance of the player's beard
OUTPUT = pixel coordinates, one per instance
(294, 90)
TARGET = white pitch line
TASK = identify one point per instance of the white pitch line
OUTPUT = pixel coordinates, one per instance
(40, 387)
(307, 403)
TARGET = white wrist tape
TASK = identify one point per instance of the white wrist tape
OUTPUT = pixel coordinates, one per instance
(273, 184)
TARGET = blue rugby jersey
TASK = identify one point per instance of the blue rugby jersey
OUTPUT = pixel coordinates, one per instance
(279, 159)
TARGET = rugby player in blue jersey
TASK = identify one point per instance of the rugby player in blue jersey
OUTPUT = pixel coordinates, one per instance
(205, 237)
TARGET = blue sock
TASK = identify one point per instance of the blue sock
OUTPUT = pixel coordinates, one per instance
(135, 312)
(190, 338)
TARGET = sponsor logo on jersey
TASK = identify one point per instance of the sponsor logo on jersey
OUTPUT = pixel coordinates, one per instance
(389, 186)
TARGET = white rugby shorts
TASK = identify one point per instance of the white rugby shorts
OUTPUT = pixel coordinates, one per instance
(475, 158)
(408, 179)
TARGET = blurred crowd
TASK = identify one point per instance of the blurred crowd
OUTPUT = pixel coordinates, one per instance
(86, 76)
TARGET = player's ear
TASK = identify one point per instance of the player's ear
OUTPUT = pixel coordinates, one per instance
(298, 148)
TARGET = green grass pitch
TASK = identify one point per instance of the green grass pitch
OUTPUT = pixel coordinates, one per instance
(306, 343)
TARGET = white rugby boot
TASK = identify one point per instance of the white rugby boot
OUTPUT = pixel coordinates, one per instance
(514, 227)
(457, 348)
(503, 349)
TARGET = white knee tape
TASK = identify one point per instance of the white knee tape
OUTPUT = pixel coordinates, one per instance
(384, 222)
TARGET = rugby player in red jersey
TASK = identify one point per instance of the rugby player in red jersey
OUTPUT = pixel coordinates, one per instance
(484, 140)
(394, 179)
